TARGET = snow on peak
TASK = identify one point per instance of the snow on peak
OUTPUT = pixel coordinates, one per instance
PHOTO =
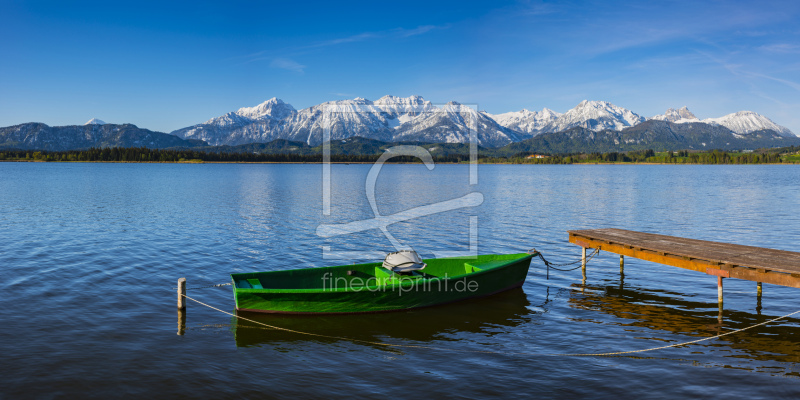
(681, 115)
(273, 108)
(526, 121)
(549, 113)
(744, 122)
(597, 116)
(403, 108)
(395, 100)
(95, 121)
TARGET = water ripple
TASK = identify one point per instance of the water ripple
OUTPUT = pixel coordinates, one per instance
(90, 253)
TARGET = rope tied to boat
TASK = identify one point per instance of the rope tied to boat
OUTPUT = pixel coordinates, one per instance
(617, 353)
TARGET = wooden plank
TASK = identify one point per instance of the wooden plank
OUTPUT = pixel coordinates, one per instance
(726, 260)
(711, 252)
(718, 272)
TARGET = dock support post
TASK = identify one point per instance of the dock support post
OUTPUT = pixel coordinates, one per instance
(181, 294)
(758, 298)
(621, 264)
(719, 298)
(583, 263)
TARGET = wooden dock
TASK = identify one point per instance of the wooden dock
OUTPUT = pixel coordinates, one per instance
(723, 260)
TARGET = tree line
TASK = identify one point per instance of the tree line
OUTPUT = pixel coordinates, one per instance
(143, 154)
(650, 156)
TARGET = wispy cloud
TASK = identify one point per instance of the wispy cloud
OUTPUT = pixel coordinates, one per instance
(739, 70)
(417, 31)
(348, 39)
(781, 48)
(287, 64)
(793, 85)
(387, 34)
(539, 8)
(646, 25)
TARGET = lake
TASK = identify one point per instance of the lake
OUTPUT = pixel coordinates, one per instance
(90, 254)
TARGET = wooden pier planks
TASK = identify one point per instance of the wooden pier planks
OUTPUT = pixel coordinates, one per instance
(715, 258)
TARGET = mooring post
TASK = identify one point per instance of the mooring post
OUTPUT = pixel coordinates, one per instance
(181, 322)
(181, 294)
(758, 289)
(621, 264)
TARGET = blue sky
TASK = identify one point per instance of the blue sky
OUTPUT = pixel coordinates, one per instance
(164, 66)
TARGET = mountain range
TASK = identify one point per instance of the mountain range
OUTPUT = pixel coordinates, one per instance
(38, 136)
(390, 119)
(394, 119)
(589, 125)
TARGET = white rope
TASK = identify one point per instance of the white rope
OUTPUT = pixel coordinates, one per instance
(493, 352)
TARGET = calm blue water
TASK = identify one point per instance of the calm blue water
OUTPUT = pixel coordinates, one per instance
(89, 254)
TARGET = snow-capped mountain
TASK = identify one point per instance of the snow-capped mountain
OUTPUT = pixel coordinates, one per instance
(744, 122)
(592, 115)
(596, 116)
(273, 108)
(389, 118)
(403, 106)
(680, 115)
(413, 118)
(344, 118)
(232, 128)
(530, 122)
(95, 121)
(740, 123)
(453, 123)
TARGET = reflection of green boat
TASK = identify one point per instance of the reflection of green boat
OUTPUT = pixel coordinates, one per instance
(372, 288)
(487, 316)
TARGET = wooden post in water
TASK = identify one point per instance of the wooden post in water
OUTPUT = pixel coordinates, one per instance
(181, 294)
(181, 322)
(758, 298)
(719, 298)
(583, 263)
(621, 264)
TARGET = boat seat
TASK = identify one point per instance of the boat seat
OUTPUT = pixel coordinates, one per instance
(386, 276)
(484, 265)
(255, 283)
(252, 283)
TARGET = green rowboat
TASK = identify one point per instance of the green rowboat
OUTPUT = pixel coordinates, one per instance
(363, 288)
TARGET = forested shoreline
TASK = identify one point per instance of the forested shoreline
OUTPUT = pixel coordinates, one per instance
(145, 155)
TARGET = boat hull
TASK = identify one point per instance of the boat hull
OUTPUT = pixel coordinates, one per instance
(359, 288)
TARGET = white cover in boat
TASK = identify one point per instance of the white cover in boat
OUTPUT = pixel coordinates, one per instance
(403, 261)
